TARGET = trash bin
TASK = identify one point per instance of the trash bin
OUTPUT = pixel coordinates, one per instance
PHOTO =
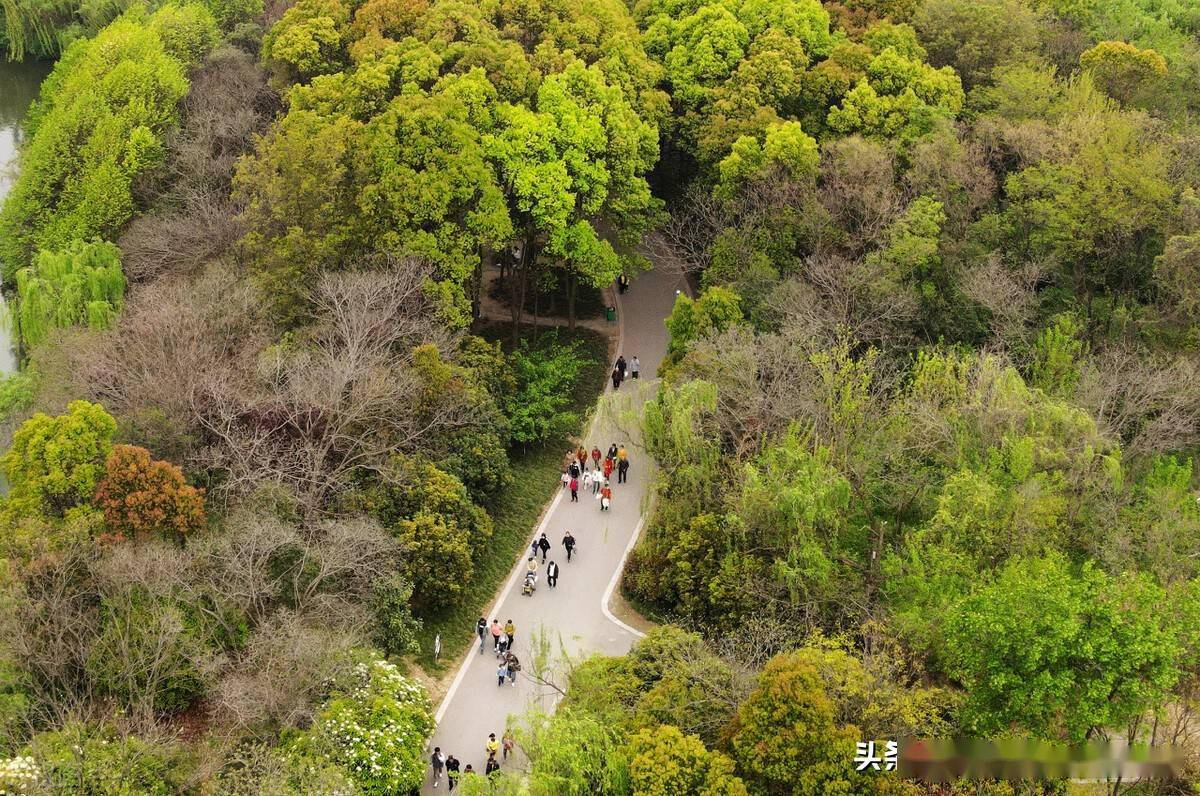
(610, 313)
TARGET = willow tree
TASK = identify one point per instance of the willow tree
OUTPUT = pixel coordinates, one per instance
(81, 284)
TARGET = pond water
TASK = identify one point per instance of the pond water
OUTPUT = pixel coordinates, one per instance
(18, 87)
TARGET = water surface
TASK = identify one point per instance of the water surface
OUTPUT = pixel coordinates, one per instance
(18, 87)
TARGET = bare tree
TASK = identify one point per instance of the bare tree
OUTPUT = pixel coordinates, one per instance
(1009, 294)
(344, 400)
(1151, 402)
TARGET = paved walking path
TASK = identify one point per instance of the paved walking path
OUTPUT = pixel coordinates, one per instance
(575, 614)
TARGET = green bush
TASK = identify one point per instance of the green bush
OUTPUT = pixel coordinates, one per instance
(98, 761)
(395, 626)
(539, 411)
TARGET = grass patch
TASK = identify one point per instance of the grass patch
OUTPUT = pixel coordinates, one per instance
(535, 473)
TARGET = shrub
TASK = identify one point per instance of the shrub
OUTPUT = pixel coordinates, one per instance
(140, 496)
(80, 284)
(95, 759)
(395, 627)
(538, 410)
(375, 728)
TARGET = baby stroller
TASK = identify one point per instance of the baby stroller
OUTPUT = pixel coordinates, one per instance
(530, 584)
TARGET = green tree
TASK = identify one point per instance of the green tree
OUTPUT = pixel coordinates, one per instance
(574, 754)
(1124, 72)
(1058, 652)
(663, 762)
(98, 125)
(785, 151)
(1058, 355)
(81, 284)
(55, 463)
(786, 737)
(976, 36)
(716, 310)
(307, 40)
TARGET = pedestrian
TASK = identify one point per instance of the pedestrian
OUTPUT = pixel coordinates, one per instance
(622, 454)
(509, 742)
(597, 477)
(622, 470)
(573, 470)
(533, 547)
(492, 746)
(502, 672)
(616, 379)
(510, 630)
(605, 497)
(491, 768)
(544, 546)
(514, 666)
(569, 543)
(468, 770)
(621, 366)
(552, 574)
(452, 771)
(622, 283)
(581, 455)
(481, 630)
(502, 649)
(587, 480)
(566, 476)
(612, 451)
(596, 457)
(531, 566)
(438, 762)
(574, 490)
(496, 632)
(635, 367)
(608, 468)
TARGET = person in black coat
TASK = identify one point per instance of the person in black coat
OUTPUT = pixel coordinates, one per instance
(621, 366)
(569, 543)
(552, 574)
(544, 545)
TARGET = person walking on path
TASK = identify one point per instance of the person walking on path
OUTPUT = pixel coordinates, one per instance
(569, 543)
(566, 477)
(502, 650)
(612, 451)
(621, 366)
(622, 283)
(531, 566)
(581, 457)
(595, 457)
(481, 631)
(587, 480)
(496, 633)
(597, 477)
(622, 470)
(502, 672)
(491, 767)
(508, 743)
(533, 547)
(608, 468)
(492, 745)
(514, 666)
(438, 762)
(635, 367)
(552, 574)
(451, 772)
(616, 378)
(573, 470)
(605, 497)
(544, 546)
(510, 630)
(574, 490)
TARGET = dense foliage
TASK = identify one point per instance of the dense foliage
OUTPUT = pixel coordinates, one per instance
(926, 429)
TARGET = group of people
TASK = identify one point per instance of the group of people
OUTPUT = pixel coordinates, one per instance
(452, 769)
(576, 474)
(633, 369)
(502, 644)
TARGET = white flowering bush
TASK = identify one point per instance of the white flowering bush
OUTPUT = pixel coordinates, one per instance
(376, 728)
(19, 776)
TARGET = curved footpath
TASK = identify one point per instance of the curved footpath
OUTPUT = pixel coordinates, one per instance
(576, 614)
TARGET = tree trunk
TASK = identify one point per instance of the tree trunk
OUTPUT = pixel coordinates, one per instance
(572, 286)
(521, 284)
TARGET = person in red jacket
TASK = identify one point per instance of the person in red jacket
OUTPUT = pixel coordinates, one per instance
(605, 497)
(608, 468)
